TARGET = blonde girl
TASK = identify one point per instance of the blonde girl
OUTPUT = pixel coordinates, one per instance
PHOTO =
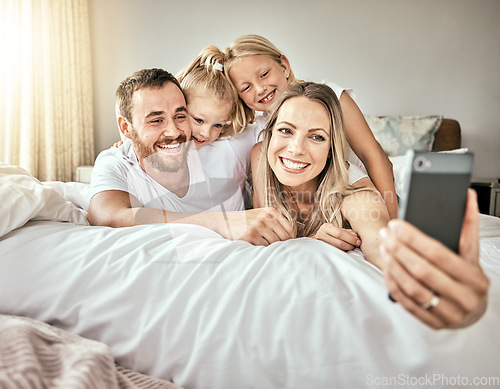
(212, 100)
(218, 118)
(303, 174)
(261, 73)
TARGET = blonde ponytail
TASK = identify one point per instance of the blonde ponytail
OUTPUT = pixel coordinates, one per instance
(207, 71)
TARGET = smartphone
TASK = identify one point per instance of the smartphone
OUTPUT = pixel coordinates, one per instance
(436, 193)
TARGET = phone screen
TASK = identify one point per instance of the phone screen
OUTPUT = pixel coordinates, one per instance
(437, 195)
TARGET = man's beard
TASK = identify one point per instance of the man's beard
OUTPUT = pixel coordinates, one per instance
(159, 161)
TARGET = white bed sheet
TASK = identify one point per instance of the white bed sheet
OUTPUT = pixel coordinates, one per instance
(292, 315)
(181, 303)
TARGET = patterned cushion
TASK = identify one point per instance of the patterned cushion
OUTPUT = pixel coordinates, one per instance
(396, 134)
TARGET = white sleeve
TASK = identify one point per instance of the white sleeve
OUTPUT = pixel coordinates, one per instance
(355, 174)
(110, 173)
(339, 89)
(242, 144)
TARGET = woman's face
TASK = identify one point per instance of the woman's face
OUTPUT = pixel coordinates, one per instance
(209, 114)
(260, 81)
(300, 143)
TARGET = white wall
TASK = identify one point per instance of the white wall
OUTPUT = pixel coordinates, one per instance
(402, 57)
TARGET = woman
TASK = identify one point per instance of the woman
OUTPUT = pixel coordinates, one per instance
(300, 169)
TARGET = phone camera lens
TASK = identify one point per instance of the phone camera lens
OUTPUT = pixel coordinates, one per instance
(420, 164)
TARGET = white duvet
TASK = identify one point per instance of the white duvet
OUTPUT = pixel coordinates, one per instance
(181, 303)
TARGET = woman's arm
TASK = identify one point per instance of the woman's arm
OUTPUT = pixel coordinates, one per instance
(367, 214)
(363, 143)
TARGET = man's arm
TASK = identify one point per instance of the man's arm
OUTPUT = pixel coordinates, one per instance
(262, 226)
(114, 208)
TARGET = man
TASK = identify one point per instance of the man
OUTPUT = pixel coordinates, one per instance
(154, 177)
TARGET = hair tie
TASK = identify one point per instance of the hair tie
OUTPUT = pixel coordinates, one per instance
(218, 66)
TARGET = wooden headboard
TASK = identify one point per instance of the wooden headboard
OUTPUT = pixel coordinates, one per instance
(448, 136)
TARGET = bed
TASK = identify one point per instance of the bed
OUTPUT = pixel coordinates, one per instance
(181, 304)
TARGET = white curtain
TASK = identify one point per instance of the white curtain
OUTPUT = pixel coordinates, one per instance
(46, 114)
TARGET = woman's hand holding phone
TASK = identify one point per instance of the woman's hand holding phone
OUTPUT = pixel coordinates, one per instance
(439, 287)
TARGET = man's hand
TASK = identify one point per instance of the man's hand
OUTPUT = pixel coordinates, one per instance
(260, 226)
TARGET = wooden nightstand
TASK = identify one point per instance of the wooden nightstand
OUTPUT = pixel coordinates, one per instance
(488, 195)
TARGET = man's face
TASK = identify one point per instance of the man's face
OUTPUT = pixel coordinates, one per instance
(160, 130)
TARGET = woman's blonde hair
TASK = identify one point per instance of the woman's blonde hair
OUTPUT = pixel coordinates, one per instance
(247, 45)
(207, 71)
(333, 181)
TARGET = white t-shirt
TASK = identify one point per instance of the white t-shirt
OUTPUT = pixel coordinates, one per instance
(217, 176)
(355, 173)
(357, 170)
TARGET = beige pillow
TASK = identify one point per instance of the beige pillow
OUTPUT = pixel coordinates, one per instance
(397, 134)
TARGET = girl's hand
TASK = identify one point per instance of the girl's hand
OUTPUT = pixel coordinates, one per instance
(118, 144)
(340, 238)
(441, 288)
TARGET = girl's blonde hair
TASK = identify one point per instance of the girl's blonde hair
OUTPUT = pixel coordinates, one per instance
(333, 181)
(207, 71)
(247, 45)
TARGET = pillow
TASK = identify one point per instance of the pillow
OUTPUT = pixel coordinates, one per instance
(400, 173)
(401, 170)
(24, 198)
(77, 193)
(397, 134)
